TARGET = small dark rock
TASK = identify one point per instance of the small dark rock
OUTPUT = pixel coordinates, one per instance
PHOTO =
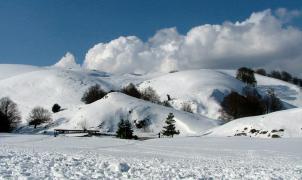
(240, 134)
(275, 136)
(253, 131)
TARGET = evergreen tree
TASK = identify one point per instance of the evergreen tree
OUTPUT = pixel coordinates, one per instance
(124, 130)
(56, 108)
(170, 130)
(261, 72)
(276, 74)
(246, 75)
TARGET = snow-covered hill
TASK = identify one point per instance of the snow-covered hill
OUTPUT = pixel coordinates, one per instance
(109, 110)
(203, 89)
(287, 92)
(287, 123)
(47, 86)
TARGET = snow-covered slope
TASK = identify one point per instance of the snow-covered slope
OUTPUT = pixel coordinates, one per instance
(109, 110)
(287, 92)
(204, 89)
(9, 70)
(46, 86)
(287, 123)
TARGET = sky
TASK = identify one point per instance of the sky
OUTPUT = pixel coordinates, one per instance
(41, 32)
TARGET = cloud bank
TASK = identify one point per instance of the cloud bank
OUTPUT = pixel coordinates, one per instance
(67, 61)
(263, 40)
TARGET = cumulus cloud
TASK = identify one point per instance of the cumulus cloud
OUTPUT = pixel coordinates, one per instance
(262, 40)
(67, 61)
(287, 15)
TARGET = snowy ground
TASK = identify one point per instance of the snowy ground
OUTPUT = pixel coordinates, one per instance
(41, 156)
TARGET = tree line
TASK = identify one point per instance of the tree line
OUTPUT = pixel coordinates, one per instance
(281, 75)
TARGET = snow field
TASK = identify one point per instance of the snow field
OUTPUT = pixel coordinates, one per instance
(36, 157)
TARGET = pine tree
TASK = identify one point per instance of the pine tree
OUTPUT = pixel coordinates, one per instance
(124, 130)
(170, 130)
(246, 75)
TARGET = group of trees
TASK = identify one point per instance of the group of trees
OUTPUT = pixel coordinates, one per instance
(250, 102)
(282, 75)
(10, 116)
(93, 93)
(125, 130)
(147, 94)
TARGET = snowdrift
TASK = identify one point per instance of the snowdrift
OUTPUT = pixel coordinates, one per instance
(287, 123)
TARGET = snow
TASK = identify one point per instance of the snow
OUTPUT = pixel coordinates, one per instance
(9, 70)
(47, 86)
(203, 149)
(47, 157)
(287, 92)
(111, 108)
(288, 121)
(204, 89)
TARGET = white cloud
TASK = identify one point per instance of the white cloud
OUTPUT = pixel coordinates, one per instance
(67, 61)
(262, 40)
(286, 15)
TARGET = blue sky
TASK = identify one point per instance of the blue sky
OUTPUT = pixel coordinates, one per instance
(41, 32)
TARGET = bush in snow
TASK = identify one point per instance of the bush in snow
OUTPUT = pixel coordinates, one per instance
(142, 124)
(296, 81)
(9, 115)
(237, 106)
(56, 108)
(38, 115)
(166, 103)
(169, 129)
(276, 74)
(246, 75)
(93, 94)
(261, 72)
(285, 76)
(131, 90)
(124, 130)
(187, 107)
(149, 94)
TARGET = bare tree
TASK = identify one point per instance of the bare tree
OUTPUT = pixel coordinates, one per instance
(149, 94)
(38, 116)
(131, 90)
(9, 115)
(187, 107)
